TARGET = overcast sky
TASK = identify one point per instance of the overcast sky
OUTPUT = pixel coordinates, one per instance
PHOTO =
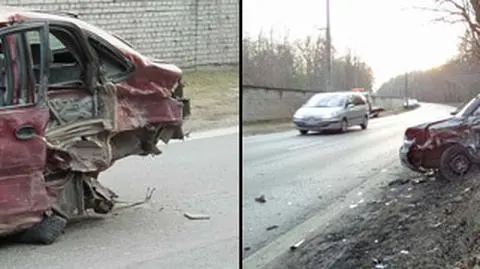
(390, 35)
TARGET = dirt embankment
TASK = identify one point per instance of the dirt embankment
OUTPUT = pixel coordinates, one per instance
(418, 222)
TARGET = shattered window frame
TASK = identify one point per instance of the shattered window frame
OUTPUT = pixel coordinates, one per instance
(19, 89)
(112, 53)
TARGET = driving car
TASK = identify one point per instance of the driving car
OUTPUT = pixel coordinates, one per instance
(332, 111)
(448, 147)
(411, 103)
(74, 99)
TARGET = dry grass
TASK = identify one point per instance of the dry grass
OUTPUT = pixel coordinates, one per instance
(263, 127)
(214, 94)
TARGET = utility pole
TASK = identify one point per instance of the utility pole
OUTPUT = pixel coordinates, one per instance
(406, 88)
(328, 80)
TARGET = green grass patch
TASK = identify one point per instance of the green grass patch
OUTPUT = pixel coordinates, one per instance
(214, 94)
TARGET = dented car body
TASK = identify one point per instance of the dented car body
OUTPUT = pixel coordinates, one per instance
(73, 100)
(449, 147)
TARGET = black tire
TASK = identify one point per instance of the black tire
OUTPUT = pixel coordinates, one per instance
(303, 132)
(364, 125)
(455, 163)
(344, 126)
(45, 232)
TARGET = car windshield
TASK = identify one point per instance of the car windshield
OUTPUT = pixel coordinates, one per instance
(467, 109)
(326, 100)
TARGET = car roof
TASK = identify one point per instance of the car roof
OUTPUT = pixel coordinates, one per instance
(335, 93)
(10, 13)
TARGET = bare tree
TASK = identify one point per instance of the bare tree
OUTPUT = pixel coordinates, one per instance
(465, 11)
(299, 64)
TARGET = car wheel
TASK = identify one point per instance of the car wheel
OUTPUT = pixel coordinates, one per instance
(364, 125)
(343, 126)
(45, 232)
(455, 163)
(303, 132)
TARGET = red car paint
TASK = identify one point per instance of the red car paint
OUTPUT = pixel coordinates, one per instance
(143, 98)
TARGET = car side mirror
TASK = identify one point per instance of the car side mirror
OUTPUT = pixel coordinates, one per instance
(350, 105)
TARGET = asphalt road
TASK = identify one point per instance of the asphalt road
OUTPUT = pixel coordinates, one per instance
(196, 176)
(304, 176)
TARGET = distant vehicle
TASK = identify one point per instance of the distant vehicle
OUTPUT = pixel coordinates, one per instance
(373, 111)
(332, 111)
(411, 103)
(449, 147)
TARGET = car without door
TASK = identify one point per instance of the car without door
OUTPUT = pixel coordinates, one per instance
(332, 111)
(73, 100)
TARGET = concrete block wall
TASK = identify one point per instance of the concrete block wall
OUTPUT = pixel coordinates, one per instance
(184, 32)
(388, 103)
(259, 104)
(271, 104)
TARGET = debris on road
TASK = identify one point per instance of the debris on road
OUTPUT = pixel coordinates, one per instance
(378, 264)
(297, 245)
(148, 197)
(420, 180)
(401, 228)
(261, 199)
(399, 182)
(196, 216)
(273, 227)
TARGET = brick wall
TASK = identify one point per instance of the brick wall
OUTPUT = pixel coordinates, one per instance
(184, 32)
(262, 103)
(270, 103)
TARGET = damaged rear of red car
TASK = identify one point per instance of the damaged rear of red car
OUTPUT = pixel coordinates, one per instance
(73, 100)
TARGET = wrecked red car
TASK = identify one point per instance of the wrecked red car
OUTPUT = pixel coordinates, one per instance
(73, 100)
(449, 147)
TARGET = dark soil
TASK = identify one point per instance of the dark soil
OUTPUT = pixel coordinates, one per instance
(418, 222)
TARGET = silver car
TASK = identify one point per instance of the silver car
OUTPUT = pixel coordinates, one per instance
(332, 111)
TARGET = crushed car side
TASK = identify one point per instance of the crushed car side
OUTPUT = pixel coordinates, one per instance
(97, 116)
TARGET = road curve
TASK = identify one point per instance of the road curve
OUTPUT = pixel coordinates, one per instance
(305, 175)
